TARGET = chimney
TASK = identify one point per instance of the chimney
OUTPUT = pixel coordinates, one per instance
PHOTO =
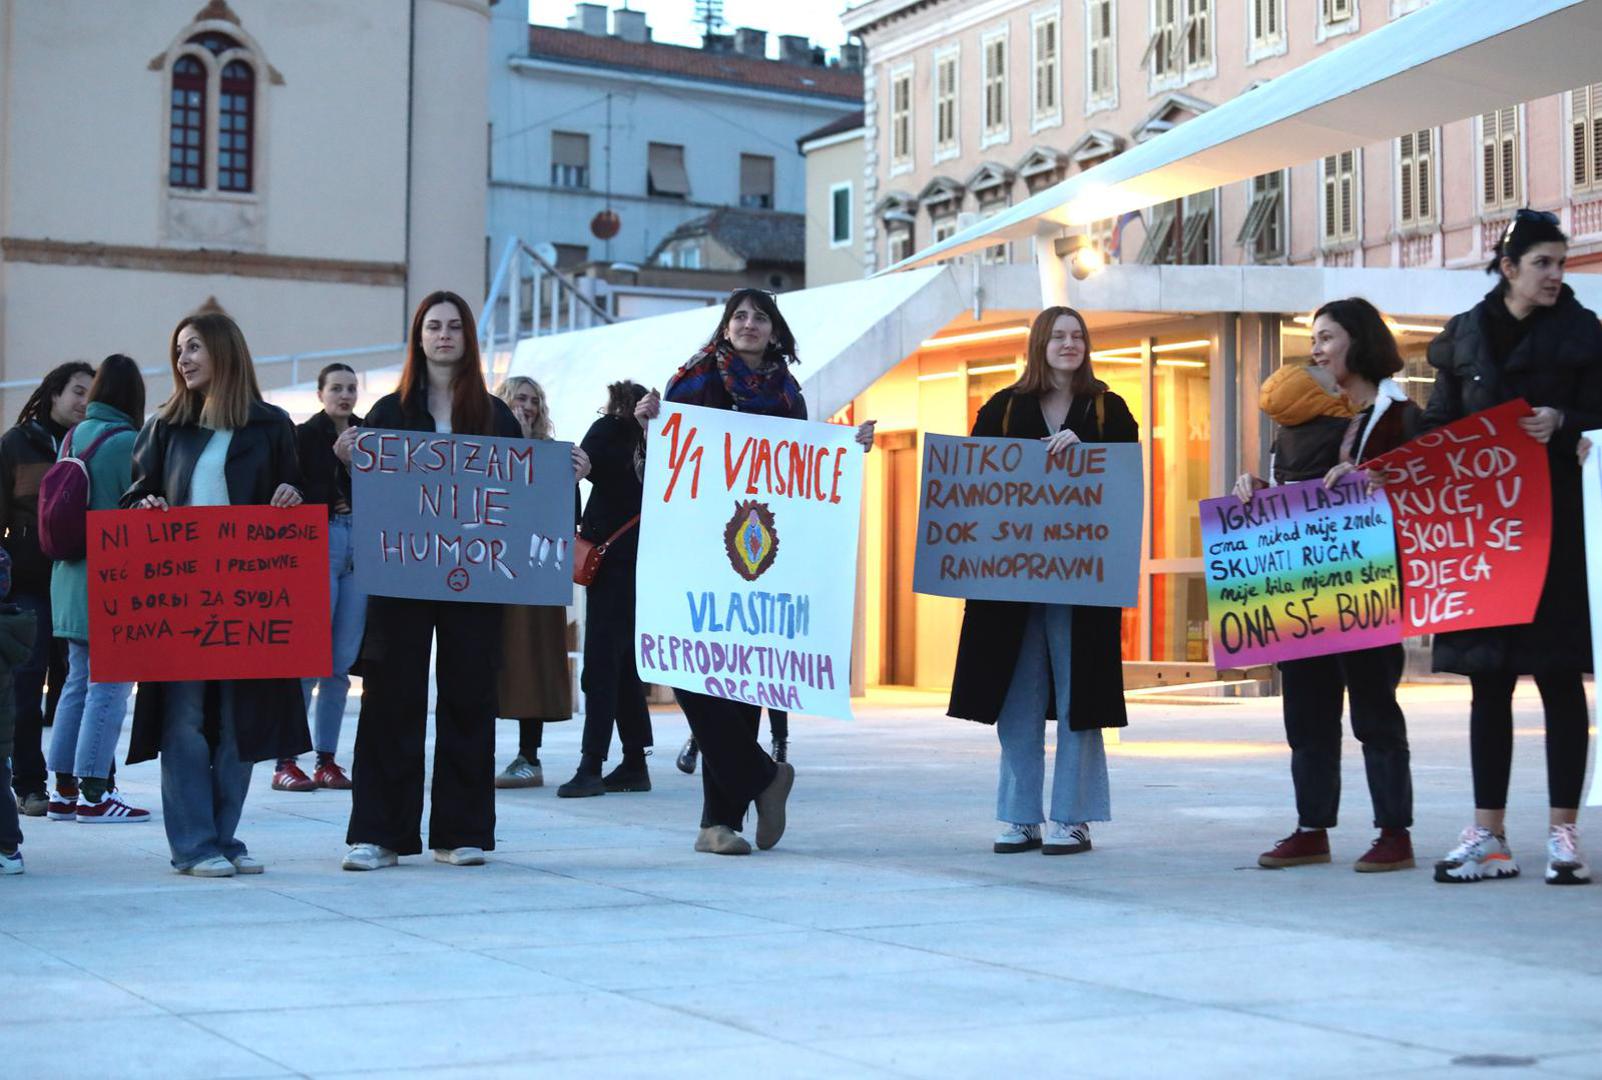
(630, 26)
(753, 43)
(795, 49)
(588, 19)
(717, 43)
(851, 56)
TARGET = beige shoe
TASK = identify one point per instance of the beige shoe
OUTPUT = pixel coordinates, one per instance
(770, 806)
(722, 840)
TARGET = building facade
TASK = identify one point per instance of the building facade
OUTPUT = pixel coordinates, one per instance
(834, 158)
(187, 151)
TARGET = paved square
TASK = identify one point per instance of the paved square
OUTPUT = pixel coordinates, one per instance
(881, 938)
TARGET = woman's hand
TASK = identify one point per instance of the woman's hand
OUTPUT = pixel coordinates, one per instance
(286, 496)
(1248, 485)
(1542, 423)
(581, 464)
(345, 443)
(151, 502)
(648, 409)
(1585, 449)
(1062, 440)
(865, 435)
(1340, 470)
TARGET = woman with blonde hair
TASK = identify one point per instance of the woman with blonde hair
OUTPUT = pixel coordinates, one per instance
(214, 442)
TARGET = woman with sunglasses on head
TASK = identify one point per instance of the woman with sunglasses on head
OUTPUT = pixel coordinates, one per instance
(1529, 338)
(745, 367)
(214, 443)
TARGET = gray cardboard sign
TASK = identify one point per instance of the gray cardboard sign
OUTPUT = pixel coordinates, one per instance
(998, 521)
(463, 517)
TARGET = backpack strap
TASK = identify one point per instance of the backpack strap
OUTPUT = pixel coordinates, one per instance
(1006, 414)
(89, 453)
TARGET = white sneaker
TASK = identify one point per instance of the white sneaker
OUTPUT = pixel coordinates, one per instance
(1067, 838)
(1480, 855)
(10, 864)
(1017, 838)
(248, 864)
(1564, 863)
(368, 857)
(462, 856)
(216, 866)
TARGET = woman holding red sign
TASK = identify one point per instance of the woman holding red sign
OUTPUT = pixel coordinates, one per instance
(441, 389)
(1019, 665)
(214, 442)
(1531, 339)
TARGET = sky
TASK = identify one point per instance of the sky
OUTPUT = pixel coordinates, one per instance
(673, 21)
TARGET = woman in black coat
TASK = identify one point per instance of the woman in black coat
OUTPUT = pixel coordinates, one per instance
(1012, 657)
(1529, 338)
(214, 443)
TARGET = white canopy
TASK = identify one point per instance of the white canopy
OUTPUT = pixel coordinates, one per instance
(1452, 59)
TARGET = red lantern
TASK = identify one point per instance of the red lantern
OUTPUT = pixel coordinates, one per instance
(605, 225)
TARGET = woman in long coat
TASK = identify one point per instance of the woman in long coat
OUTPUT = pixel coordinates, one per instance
(1529, 338)
(1015, 660)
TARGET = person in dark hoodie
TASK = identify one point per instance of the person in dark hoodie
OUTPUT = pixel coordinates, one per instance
(16, 643)
(26, 453)
(1529, 338)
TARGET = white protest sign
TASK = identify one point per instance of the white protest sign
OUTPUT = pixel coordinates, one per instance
(1591, 481)
(748, 558)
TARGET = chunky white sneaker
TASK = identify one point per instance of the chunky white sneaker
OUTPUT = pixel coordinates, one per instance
(1017, 838)
(248, 864)
(1564, 863)
(368, 857)
(462, 856)
(216, 866)
(1480, 855)
(1067, 838)
(10, 864)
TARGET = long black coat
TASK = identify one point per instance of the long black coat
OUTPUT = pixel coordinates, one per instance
(992, 630)
(270, 714)
(1558, 364)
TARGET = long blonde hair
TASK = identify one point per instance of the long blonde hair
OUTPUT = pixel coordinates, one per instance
(225, 404)
(543, 428)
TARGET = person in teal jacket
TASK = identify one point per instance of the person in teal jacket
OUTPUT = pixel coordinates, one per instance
(90, 716)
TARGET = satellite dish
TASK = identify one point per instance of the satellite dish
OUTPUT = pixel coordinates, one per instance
(546, 251)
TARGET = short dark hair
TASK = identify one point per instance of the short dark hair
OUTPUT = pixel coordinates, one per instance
(37, 407)
(1373, 354)
(1525, 229)
(784, 348)
(621, 397)
(120, 384)
(322, 376)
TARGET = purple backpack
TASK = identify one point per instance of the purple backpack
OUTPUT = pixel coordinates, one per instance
(64, 501)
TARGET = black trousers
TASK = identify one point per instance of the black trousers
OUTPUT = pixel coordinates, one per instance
(779, 724)
(1491, 737)
(387, 776)
(734, 767)
(1313, 693)
(27, 689)
(613, 693)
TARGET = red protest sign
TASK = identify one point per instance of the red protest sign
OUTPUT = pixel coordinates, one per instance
(216, 592)
(1473, 508)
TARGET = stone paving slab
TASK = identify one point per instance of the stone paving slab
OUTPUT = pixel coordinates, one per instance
(882, 938)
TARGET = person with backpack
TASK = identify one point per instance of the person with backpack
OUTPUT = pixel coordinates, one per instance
(26, 452)
(96, 467)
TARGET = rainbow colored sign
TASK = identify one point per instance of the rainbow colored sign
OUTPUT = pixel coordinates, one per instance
(1301, 570)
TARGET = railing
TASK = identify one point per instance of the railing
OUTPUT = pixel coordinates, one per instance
(316, 359)
(530, 297)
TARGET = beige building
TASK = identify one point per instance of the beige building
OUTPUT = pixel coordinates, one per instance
(835, 154)
(311, 165)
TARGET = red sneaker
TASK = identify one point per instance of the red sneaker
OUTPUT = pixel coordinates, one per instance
(63, 806)
(1297, 849)
(110, 810)
(1393, 850)
(288, 777)
(330, 775)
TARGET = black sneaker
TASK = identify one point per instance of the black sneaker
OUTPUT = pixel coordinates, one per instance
(686, 758)
(583, 785)
(628, 777)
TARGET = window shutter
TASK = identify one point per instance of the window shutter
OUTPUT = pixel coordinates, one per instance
(756, 180)
(1579, 136)
(1331, 167)
(1271, 8)
(1596, 133)
(1488, 159)
(1508, 148)
(1407, 190)
(1422, 175)
(570, 149)
(666, 164)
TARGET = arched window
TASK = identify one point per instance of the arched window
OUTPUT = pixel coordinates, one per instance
(235, 127)
(214, 42)
(186, 156)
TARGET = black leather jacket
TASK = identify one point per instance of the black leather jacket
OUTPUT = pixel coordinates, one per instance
(261, 457)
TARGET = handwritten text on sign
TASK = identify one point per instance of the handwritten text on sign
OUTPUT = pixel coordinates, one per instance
(748, 555)
(224, 592)
(463, 517)
(999, 520)
(1300, 570)
(1473, 507)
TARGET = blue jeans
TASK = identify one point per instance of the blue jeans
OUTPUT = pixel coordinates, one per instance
(349, 620)
(10, 824)
(203, 785)
(88, 720)
(1079, 788)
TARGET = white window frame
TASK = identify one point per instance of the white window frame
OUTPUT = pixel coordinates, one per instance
(897, 245)
(1339, 238)
(1001, 132)
(1175, 74)
(1406, 179)
(1041, 117)
(1205, 67)
(850, 215)
(1406, 7)
(1586, 114)
(1328, 22)
(901, 162)
(1264, 44)
(1099, 102)
(952, 147)
(1275, 217)
(943, 229)
(1505, 202)
(1201, 204)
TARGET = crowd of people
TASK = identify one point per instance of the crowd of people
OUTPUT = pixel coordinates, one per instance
(216, 442)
